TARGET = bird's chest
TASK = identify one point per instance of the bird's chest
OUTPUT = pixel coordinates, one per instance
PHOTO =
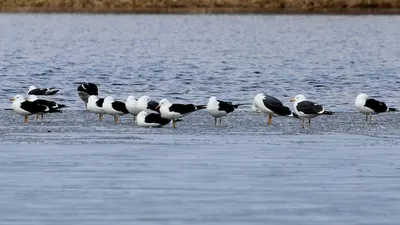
(17, 108)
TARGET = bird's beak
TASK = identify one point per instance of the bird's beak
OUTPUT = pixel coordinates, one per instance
(292, 100)
(157, 107)
(12, 99)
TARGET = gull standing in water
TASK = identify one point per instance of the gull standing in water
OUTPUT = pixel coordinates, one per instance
(307, 109)
(26, 108)
(270, 105)
(95, 105)
(47, 103)
(172, 111)
(132, 106)
(370, 106)
(114, 108)
(219, 109)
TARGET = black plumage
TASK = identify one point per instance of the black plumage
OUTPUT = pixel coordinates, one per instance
(276, 106)
(377, 106)
(89, 88)
(295, 115)
(308, 107)
(43, 91)
(36, 108)
(49, 104)
(119, 106)
(152, 105)
(156, 118)
(100, 102)
(228, 107)
(185, 108)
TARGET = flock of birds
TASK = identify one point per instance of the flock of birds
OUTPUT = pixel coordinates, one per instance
(149, 113)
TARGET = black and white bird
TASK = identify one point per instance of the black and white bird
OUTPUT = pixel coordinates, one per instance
(307, 109)
(114, 108)
(145, 119)
(95, 105)
(144, 103)
(47, 103)
(41, 91)
(132, 106)
(175, 111)
(271, 106)
(85, 90)
(26, 108)
(219, 109)
(370, 106)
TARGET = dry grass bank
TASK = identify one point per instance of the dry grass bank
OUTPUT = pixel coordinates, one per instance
(202, 6)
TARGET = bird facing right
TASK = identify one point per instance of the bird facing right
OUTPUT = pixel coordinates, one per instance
(370, 106)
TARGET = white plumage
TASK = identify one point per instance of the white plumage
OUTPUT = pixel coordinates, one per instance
(307, 109)
(144, 103)
(16, 105)
(132, 105)
(270, 106)
(175, 111)
(370, 106)
(114, 108)
(219, 109)
(145, 119)
(41, 91)
(23, 107)
(95, 105)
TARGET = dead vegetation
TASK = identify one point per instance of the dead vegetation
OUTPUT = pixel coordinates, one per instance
(193, 5)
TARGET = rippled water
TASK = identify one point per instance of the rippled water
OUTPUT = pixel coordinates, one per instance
(329, 59)
(72, 169)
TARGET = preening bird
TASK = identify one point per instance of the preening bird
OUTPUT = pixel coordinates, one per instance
(85, 90)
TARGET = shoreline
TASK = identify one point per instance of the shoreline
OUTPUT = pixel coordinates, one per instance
(206, 10)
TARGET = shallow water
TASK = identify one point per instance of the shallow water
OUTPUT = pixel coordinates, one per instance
(73, 169)
(188, 58)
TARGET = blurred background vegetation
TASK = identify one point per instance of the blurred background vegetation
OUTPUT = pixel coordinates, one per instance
(196, 5)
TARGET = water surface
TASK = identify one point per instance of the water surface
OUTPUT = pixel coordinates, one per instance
(73, 169)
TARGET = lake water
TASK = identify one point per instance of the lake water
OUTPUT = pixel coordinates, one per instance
(73, 169)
